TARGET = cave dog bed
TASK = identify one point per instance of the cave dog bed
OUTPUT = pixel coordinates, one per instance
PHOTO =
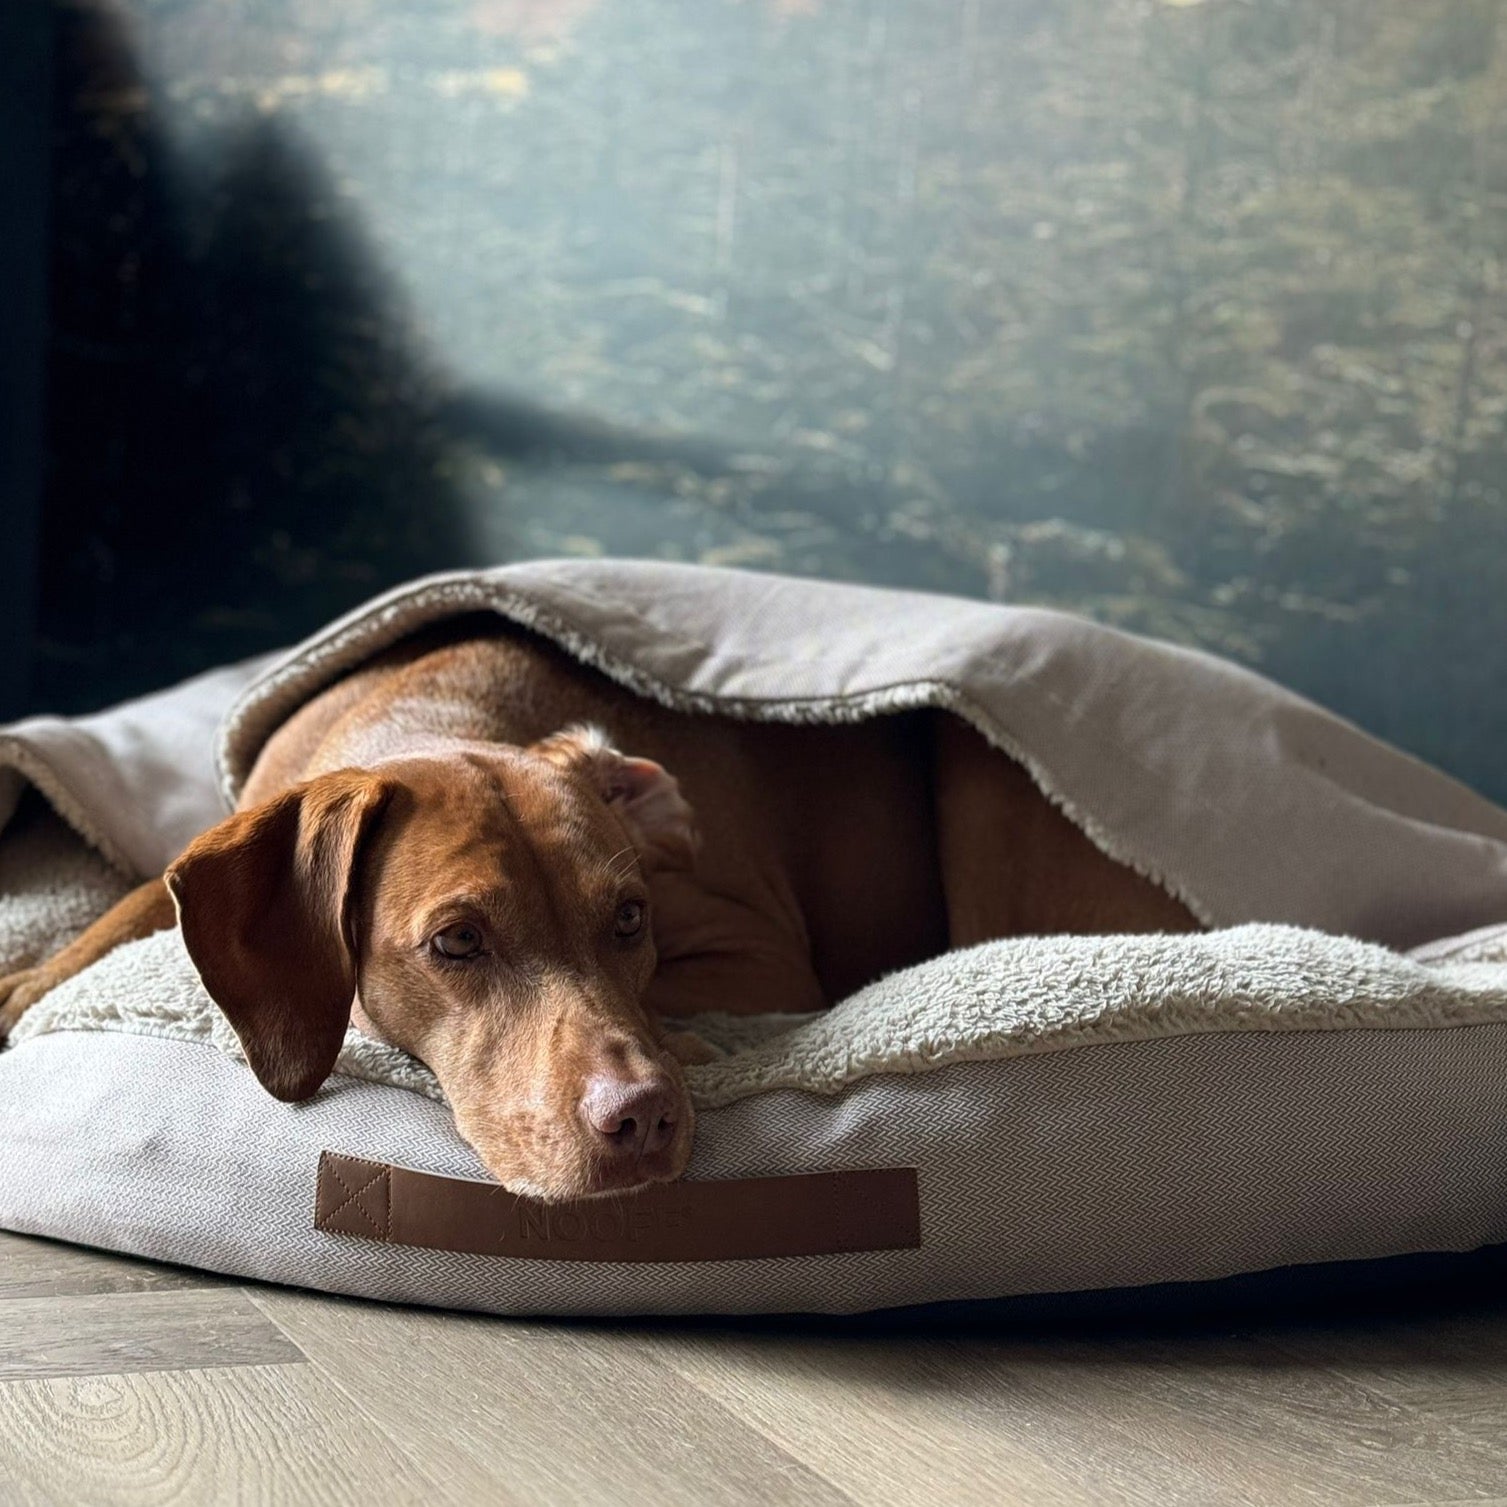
(1320, 1077)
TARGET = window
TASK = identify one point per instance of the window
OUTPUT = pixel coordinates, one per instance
(1190, 316)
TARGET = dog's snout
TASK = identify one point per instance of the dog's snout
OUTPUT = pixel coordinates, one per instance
(631, 1119)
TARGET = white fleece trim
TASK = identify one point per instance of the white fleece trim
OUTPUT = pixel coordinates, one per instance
(20, 765)
(1486, 944)
(54, 884)
(995, 1002)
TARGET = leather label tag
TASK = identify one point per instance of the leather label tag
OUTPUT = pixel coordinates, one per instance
(740, 1219)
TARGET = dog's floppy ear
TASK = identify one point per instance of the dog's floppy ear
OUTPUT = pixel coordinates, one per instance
(644, 794)
(264, 902)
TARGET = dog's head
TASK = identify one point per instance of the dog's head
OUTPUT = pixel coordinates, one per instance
(486, 909)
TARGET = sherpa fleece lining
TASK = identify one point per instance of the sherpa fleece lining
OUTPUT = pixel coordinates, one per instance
(1000, 1000)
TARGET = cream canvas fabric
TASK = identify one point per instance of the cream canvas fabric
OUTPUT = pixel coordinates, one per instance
(1083, 1112)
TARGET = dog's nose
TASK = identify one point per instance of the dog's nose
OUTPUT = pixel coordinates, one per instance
(632, 1118)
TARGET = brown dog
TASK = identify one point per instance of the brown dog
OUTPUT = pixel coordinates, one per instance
(444, 848)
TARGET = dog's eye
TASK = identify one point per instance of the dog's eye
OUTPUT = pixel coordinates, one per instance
(630, 918)
(457, 942)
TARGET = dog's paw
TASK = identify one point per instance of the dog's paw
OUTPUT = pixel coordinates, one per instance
(19, 992)
(688, 1048)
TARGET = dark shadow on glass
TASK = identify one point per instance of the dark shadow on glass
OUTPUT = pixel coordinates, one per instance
(242, 439)
(25, 78)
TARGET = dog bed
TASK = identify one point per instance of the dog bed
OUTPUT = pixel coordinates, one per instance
(1039, 1115)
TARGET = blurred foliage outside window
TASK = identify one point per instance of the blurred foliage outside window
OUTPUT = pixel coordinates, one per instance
(1190, 316)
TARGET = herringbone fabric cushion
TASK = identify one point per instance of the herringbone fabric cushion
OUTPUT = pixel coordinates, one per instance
(1115, 1165)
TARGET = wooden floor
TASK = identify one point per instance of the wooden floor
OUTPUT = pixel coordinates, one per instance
(125, 1382)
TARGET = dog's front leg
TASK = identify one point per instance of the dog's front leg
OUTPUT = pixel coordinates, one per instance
(687, 1048)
